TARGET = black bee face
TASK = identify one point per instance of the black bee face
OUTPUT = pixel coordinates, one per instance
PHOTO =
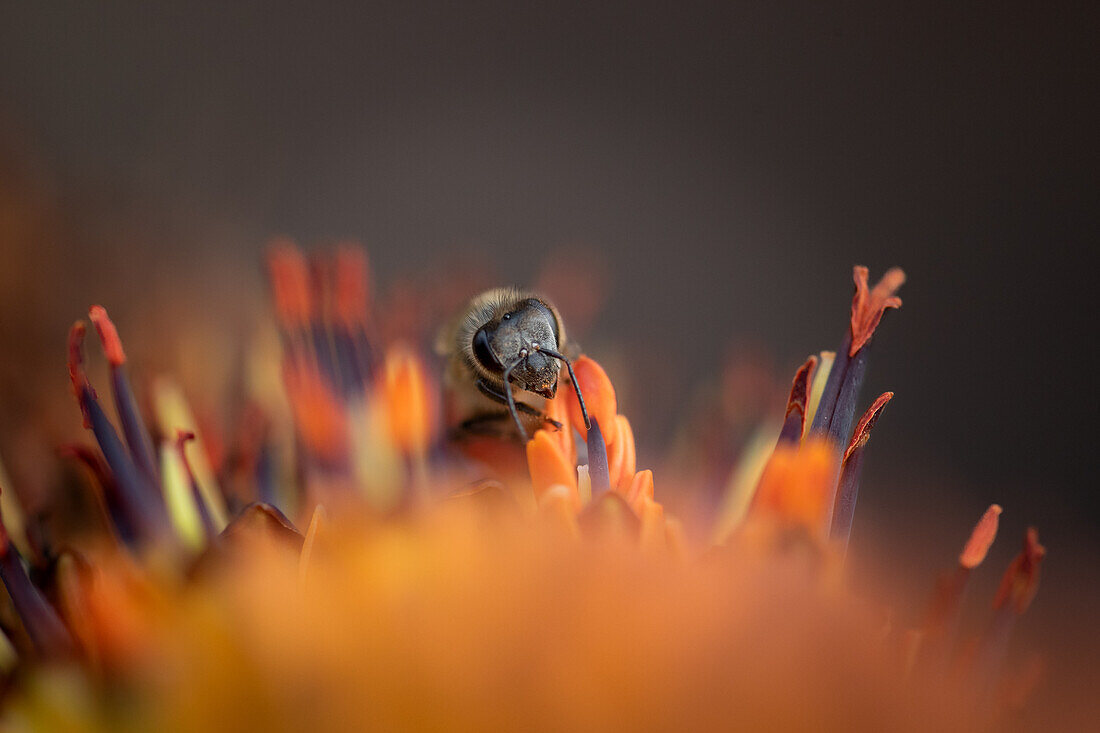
(514, 340)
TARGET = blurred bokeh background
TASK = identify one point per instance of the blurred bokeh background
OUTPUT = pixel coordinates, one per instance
(715, 169)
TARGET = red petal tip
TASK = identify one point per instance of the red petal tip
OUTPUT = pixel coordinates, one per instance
(108, 335)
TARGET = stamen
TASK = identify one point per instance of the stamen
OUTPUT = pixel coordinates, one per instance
(133, 425)
(844, 506)
(108, 336)
(103, 489)
(941, 621)
(836, 410)
(50, 637)
(868, 306)
(794, 422)
(985, 531)
(1021, 580)
(182, 437)
(145, 515)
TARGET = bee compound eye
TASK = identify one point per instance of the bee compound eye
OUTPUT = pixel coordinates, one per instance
(484, 352)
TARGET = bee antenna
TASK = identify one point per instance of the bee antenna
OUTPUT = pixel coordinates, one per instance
(511, 399)
(573, 379)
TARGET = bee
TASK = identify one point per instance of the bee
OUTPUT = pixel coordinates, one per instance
(504, 340)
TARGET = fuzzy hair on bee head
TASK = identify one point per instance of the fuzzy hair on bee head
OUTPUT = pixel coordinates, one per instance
(487, 307)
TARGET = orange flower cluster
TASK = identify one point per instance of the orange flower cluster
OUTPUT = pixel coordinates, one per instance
(431, 602)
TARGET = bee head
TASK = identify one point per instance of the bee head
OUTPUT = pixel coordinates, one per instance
(516, 339)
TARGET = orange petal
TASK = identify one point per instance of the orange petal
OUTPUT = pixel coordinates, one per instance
(797, 485)
(549, 466)
(599, 397)
(558, 409)
(560, 505)
(641, 488)
(652, 515)
(626, 438)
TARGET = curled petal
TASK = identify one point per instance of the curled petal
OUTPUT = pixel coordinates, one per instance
(869, 305)
(599, 397)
